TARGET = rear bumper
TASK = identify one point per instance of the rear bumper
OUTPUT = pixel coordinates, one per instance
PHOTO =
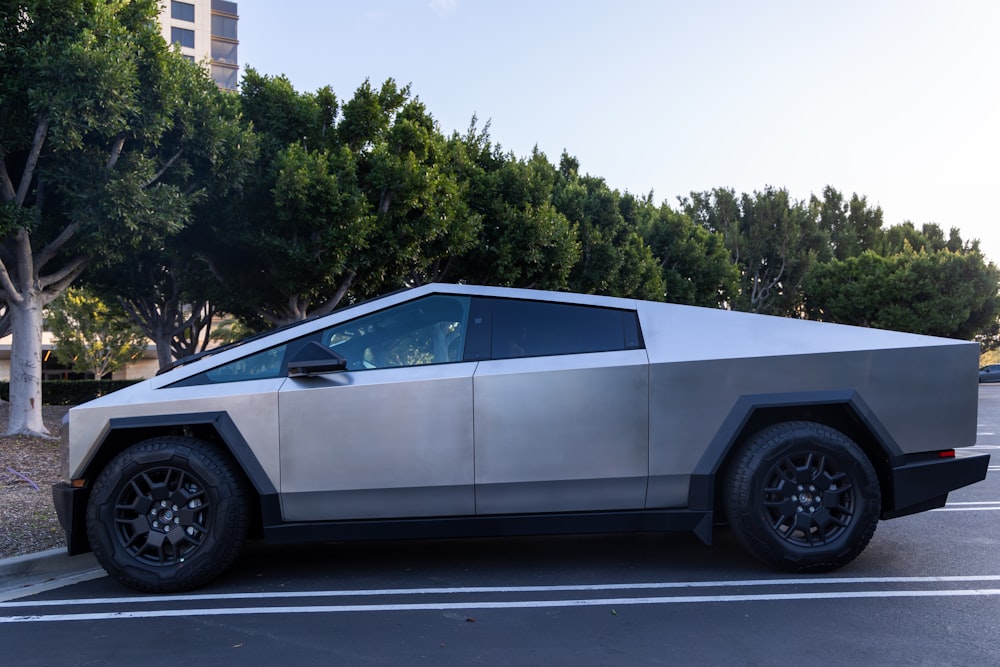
(71, 503)
(924, 485)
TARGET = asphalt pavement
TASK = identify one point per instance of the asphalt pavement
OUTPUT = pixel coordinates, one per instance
(22, 576)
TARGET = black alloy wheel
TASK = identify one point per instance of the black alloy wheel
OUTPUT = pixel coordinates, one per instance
(808, 501)
(162, 515)
(802, 497)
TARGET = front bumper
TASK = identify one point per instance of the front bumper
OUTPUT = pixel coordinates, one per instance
(924, 485)
(71, 505)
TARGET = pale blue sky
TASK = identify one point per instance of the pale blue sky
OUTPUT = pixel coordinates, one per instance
(899, 101)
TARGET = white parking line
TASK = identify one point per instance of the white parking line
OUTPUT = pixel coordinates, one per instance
(516, 604)
(976, 502)
(969, 507)
(465, 590)
(440, 605)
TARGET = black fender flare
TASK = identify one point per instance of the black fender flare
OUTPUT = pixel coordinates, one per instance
(701, 494)
(231, 438)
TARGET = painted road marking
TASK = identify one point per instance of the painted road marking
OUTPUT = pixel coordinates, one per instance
(442, 605)
(518, 604)
(969, 507)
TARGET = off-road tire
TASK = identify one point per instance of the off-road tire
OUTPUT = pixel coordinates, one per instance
(802, 497)
(168, 514)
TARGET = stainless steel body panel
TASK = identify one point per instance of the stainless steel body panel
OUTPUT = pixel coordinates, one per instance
(690, 401)
(392, 442)
(564, 433)
(252, 405)
(676, 333)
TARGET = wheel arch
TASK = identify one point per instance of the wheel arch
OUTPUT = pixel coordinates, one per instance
(844, 411)
(216, 428)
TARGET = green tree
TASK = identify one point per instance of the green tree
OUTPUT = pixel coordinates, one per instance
(696, 266)
(614, 258)
(853, 226)
(409, 176)
(772, 239)
(291, 242)
(344, 199)
(167, 289)
(930, 238)
(91, 335)
(99, 132)
(942, 293)
(164, 293)
(523, 240)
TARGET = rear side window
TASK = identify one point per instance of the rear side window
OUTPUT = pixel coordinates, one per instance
(537, 328)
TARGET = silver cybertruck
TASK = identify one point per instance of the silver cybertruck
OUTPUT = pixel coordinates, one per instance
(453, 410)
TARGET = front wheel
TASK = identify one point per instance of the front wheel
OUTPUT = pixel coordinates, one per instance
(168, 514)
(802, 497)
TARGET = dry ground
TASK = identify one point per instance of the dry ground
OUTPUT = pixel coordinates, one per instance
(28, 469)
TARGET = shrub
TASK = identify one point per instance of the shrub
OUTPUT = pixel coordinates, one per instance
(72, 392)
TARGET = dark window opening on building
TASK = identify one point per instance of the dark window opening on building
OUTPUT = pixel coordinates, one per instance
(226, 77)
(182, 11)
(224, 52)
(223, 26)
(182, 36)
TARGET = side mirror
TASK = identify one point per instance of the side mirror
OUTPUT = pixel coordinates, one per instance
(313, 359)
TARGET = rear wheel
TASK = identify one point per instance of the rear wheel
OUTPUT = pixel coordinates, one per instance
(168, 514)
(802, 497)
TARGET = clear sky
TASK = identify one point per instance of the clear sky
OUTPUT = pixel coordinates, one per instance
(895, 100)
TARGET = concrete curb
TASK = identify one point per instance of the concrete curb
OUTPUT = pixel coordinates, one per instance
(44, 566)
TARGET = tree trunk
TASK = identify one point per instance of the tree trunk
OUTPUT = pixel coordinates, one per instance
(26, 368)
(164, 352)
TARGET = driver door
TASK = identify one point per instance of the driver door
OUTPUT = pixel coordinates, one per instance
(392, 435)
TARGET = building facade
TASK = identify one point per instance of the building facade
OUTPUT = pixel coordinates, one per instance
(206, 32)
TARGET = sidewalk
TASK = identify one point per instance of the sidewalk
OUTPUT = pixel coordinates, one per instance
(34, 573)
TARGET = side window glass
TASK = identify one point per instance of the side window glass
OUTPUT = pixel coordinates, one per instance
(535, 328)
(259, 366)
(429, 331)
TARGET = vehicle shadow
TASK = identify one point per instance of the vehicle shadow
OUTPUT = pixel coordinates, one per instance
(507, 561)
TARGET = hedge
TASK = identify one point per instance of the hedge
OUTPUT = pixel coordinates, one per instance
(72, 392)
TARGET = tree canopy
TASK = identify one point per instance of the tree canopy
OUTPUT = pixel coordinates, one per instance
(941, 293)
(103, 132)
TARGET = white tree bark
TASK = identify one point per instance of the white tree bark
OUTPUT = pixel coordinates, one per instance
(26, 294)
(26, 368)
